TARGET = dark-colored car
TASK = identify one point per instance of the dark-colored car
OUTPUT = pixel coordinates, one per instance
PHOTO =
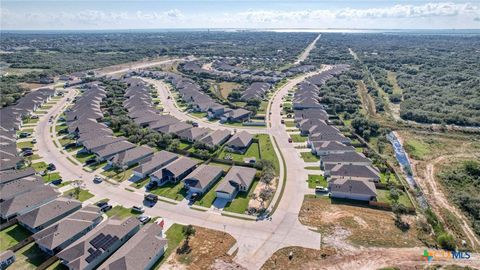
(290, 140)
(105, 208)
(57, 182)
(101, 204)
(51, 167)
(70, 145)
(27, 153)
(195, 124)
(151, 185)
(90, 161)
(27, 149)
(151, 197)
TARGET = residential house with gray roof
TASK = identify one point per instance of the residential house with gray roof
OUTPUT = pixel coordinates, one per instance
(202, 178)
(108, 151)
(353, 172)
(141, 252)
(61, 234)
(216, 138)
(238, 179)
(174, 171)
(324, 148)
(19, 186)
(27, 201)
(49, 213)
(354, 189)
(10, 175)
(352, 158)
(131, 157)
(240, 141)
(88, 252)
(193, 134)
(153, 163)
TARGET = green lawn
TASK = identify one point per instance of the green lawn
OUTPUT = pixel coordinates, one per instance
(199, 114)
(117, 174)
(266, 150)
(263, 108)
(416, 149)
(29, 257)
(298, 138)
(240, 203)
(383, 195)
(141, 183)
(51, 176)
(316, 180)
(289, 123)
(39, 166)
(312, 168)
(309, 157)
(171, 191)
(82, 196)
(30, 121)
(121, 212)
(11, 236)
(34, 157)
(60, 127)
(57, 266)
(98, 165)
(82, 157)
(252, 151)
(25, 144)
(208, 198)
(174, 235)
(65, 140)
(384, 178)
(29, 130)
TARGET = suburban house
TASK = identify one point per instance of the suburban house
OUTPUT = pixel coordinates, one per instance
(202, 178)
(60, 235)
(7, 176)
(141, 252)
(216, 111)
(354, 189)
(99, 142)
(153, 163)
(130, 157)
(174, 171)
(19, 186)
(7, 258)
(108, 151)
(240, 142)
(353, 172)
(238, 179)
(323, 137)
(237, 115)
(324, 148)
(49, 213)
(315, 113)
(174, 128)
(27, 201)
(352, 158)
(216, 138)
(256, 90)
(193, 134)
(90, 251)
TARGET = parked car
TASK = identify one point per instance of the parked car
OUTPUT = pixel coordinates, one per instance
(139, 209)
(101, 204)
(105, 208)
(27, 153)
(34, 141)
(195, 124)
(290, 140)
(151, 197)
(151, 185)
(90, 161)
(97, 179)
(320, 189)
(194, 197)
(282, 121)
(144, 219)
(57, 182)
(51, 167)
(34, 117)
(27, 149)
(24, 135)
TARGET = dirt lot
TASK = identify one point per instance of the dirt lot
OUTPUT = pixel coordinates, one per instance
(359, 226)
(302, 258)
(208, 249)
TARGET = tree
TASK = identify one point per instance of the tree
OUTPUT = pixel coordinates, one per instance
(174, 144)
(268, 175)
(188, 231)
(265, 194)
(446, 241)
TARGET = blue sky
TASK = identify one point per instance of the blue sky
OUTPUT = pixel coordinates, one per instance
(129, 14)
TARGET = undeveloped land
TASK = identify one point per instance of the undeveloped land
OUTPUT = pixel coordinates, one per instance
(348, 226)
(208, 248)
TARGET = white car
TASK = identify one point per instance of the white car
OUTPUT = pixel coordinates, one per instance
(97, 179)
(139, 209)
(144, 219)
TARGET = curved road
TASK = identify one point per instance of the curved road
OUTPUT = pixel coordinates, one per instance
(257, 241)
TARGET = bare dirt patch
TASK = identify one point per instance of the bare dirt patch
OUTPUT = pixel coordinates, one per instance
(208, 248)
(359, 226)
(302, 258)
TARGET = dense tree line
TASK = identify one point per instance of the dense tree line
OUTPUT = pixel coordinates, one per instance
(438, 74)
(462, 182)
(340, 92)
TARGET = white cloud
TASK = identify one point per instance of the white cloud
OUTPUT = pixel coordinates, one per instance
(430, 15)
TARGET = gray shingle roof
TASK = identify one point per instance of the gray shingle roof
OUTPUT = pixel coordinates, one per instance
(202, 176)
(38, 196)
(49, 211)
(236, 176)
(240, 139)
(155, 162)
(352, 186)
